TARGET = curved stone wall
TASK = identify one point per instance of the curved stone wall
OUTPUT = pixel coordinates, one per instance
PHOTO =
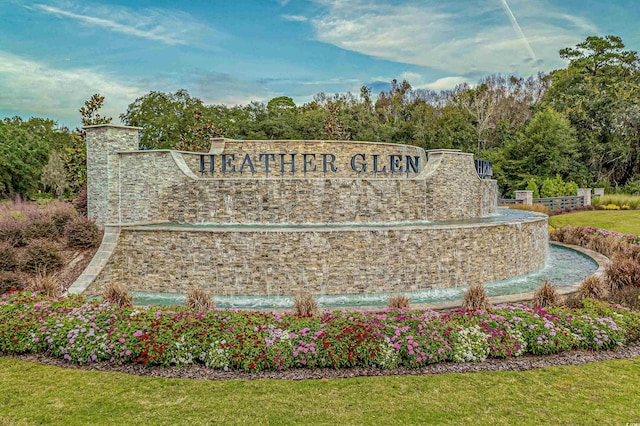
(328, 217)
(161, 186)
(283, 261)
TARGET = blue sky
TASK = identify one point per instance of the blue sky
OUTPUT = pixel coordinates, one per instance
(55, 53)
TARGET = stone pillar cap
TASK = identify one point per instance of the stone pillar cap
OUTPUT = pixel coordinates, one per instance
(117, 126)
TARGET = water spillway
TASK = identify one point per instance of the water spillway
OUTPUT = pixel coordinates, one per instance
(325, 217)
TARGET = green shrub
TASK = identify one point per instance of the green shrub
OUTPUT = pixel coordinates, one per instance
(9, 280)
(533, 186)
(556, 187)
(41, 227)
(61, 218)
(8, 257)
(42, 256)
(12, 232)
(81, 232)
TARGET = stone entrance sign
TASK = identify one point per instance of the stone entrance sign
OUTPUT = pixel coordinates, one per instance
(277, 217)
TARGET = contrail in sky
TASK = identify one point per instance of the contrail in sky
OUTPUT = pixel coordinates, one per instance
(516, 27)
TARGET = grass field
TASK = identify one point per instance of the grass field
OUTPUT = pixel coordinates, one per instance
(625, 221)
(598, 393)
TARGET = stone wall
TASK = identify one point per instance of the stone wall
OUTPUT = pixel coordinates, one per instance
(103, 144)
(282, 261)
(343, 152)
(331, 233)
(166, 186)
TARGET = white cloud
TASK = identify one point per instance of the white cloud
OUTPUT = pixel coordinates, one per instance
(295, 18)
(462, 38)
(166, 26)
(418, 81)
(32, 87)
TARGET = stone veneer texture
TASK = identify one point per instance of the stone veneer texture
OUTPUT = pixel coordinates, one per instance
(129, 187)
(322, 261)
(165, 186)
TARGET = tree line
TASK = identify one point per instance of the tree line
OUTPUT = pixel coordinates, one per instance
(579, 124)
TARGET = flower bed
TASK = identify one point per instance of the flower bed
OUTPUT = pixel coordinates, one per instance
(83, 332)
(630, 238)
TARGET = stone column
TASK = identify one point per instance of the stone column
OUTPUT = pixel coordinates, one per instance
(586, 193)
(454, 189)
(525, 196)
(104, 141)
(598, 192)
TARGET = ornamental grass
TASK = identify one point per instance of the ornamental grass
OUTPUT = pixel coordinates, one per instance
(46, 284)
(592, 287)
(117, 294)
(546, 295)
(198, 300)
(398, 302)
(475, 298)
(305, 305)
(622, 272)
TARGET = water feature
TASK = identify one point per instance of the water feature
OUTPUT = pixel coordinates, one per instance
(563, 267)
(502, 215)
(325, 226)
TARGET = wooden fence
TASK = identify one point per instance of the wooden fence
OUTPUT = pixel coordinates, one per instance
(554, 203)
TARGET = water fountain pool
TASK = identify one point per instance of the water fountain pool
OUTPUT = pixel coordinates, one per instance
(564, 267)
(267, 219)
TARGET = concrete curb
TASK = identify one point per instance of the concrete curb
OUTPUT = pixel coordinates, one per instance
(107, 247)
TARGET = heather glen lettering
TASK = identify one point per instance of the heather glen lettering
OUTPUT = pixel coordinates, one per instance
(295, 163)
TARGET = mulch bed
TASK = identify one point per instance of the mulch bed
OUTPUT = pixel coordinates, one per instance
(523, 363)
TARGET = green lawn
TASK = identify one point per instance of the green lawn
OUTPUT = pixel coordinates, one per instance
(625, 221)
(598, 393)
